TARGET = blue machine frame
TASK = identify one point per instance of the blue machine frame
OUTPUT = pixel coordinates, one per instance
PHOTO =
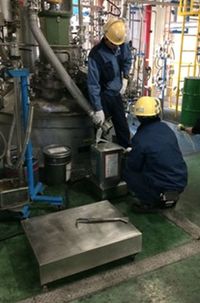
(34, 191)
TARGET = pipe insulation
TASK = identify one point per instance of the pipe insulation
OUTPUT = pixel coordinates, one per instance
(125, 9)
(5, 8)
(55, 62)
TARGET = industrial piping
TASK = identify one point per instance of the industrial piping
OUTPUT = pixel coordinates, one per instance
(64, 76)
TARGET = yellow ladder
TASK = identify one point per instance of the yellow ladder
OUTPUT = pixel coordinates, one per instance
(189, 52)
(189, 7)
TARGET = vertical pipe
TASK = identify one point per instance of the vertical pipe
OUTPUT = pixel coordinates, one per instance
(197, 45)
(180, 65)
(80, 17)
(148, 13)
(100, 3)
(5, 8)
(125, 9)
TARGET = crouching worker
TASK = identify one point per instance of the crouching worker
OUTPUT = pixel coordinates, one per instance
(155, 170)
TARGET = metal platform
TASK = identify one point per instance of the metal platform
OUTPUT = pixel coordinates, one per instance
(63, 249)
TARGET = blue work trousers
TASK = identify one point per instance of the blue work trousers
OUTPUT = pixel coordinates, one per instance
(113, 107)
(145, 192)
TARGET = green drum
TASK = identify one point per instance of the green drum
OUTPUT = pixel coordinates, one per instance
(191, 101)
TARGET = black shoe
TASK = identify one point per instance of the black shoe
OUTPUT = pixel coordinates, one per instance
(169, 199)
(167, 204)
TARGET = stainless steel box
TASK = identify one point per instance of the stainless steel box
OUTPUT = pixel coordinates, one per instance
(62, 248)
(106, 158)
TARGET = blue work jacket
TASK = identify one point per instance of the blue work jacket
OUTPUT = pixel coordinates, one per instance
(157, 156)
(105, 71)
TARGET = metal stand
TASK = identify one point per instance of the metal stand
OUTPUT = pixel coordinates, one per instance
(34, 191)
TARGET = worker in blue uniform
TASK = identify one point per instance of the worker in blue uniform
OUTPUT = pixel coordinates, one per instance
(155, 169)
(109, 63)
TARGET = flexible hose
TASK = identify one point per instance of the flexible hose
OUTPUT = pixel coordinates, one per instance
(27, 136)
(26, 140)
(5, 145)
(8, 154)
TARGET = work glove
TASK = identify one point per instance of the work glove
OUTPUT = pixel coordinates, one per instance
(99, 117)
(124, 86)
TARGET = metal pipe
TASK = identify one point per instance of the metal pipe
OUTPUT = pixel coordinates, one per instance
(80, 18)
(149, 2)
(55, 62)
(5, 8)
(125, 9)
(148, 12)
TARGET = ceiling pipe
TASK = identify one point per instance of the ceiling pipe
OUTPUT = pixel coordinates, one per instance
(149, 2)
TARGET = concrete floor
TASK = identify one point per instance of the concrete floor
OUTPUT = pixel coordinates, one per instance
(166, 271)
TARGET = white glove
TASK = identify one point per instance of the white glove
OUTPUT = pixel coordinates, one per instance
(124, 86)
(99, 117)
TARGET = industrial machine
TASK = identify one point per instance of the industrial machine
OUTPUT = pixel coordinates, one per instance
(54, 62)
(42, 36)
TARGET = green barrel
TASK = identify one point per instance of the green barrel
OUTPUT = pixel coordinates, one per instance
(191, 101)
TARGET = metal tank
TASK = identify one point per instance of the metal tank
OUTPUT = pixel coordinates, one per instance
(58, 117)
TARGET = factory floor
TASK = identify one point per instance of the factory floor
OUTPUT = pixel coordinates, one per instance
(166, 271)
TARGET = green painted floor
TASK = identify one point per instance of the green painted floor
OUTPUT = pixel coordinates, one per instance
(178, 282)
(190, 199)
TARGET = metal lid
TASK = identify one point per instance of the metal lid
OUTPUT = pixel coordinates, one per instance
(192, 78)
(57, 151)
(107, 147)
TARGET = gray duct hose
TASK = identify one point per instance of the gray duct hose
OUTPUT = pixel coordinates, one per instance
(63, 75)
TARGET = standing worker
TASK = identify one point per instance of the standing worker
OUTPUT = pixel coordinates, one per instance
(109, 64)
(155, 169)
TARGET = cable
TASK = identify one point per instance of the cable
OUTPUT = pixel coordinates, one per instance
(113, 4)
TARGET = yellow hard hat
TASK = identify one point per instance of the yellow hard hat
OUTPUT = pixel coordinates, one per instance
(115, 31)
(147, 107)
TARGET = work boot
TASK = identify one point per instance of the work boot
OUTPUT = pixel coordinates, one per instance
(169, 199)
